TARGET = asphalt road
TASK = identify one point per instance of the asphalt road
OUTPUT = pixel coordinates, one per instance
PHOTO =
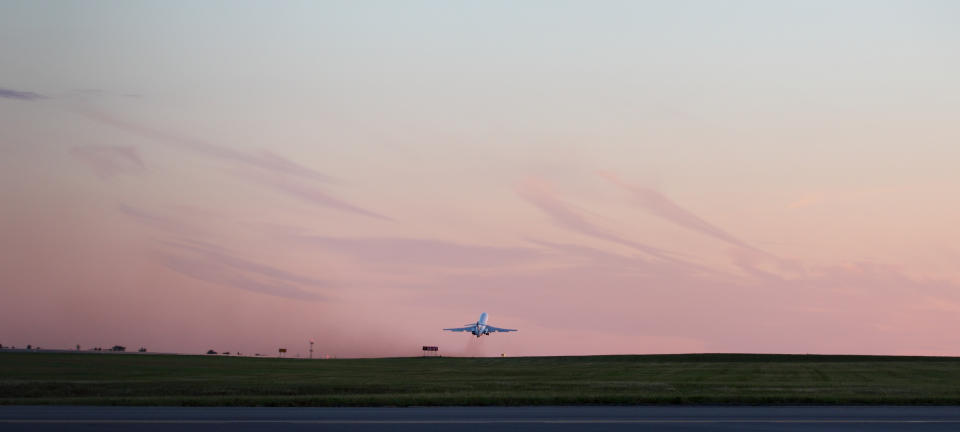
(593, 418)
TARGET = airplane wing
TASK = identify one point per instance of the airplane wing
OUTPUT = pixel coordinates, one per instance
(460, 329)
(498, 329)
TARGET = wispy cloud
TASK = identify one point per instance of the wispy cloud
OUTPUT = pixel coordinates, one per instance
(564, 216)
(663, 207)
(276, 171)
(207, 262)
(595, 255)
(222, 258)
(807, 201)
(208, 269)
(108, 161)
(167, 224)
(311, 194)
(423, 252)
(262, 159)
(20, 95)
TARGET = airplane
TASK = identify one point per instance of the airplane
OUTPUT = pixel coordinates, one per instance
(480, 327)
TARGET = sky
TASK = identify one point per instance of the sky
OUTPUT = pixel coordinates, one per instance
(608, 177)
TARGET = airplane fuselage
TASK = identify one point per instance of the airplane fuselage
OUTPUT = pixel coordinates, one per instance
(481, 326)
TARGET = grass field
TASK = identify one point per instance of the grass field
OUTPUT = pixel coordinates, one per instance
(139, 379)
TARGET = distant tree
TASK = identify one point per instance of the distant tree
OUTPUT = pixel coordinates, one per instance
(211, 352)
(142, 349)
(118, 348)
(78, 347)
(29, 346)
(226, 353)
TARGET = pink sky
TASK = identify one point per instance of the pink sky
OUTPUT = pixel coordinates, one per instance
(366, 183)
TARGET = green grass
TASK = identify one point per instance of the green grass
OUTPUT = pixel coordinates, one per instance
(135, 379)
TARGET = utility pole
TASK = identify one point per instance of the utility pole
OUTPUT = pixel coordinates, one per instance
(311, 348)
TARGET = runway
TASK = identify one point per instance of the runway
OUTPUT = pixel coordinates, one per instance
(594, 418)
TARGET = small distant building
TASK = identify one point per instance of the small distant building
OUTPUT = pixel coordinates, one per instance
(118, 348)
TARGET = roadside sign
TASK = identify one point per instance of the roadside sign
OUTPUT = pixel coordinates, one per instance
(430, 351)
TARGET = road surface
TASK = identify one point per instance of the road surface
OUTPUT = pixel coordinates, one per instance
(462, 419)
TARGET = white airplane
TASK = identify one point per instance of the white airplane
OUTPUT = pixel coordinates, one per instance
(480, 327)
